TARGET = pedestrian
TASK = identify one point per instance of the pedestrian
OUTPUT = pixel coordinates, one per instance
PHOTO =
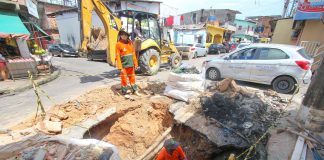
(126, 62)
(171, 151)
(3, 68)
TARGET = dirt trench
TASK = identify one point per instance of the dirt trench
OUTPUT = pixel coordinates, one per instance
(134, 129)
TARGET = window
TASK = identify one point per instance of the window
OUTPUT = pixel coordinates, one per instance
(154, 30)
(304, 54)
(245, 54)
(272, 53)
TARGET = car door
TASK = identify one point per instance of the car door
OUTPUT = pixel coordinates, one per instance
(269, 64)
(239, 64)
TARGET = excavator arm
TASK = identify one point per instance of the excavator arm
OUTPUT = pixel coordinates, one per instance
(112, 25)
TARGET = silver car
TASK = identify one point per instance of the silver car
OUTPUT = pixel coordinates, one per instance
(281, 66)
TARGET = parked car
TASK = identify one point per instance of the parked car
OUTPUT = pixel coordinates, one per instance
(192, 50)
(62, 50)
(100, 55)
(216, 49)
(241, 45)
(281, 66)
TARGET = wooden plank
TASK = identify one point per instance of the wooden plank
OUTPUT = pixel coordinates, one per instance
(303, 155)
(298, 148)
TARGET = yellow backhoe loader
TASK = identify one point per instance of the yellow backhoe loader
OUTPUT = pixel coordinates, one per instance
(145, 31)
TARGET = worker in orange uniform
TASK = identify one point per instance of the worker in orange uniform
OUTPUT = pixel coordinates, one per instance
(126, 62)
(171, 151)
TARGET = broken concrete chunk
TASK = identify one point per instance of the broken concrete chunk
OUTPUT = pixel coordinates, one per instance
(234, 86)
(142, 85)
(54, 127)
(270, 92)
(224, 84)
(49, 126)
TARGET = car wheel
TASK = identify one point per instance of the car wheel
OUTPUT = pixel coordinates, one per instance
(284, 84)
(213, 74)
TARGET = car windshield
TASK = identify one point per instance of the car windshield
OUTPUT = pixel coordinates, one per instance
(65, 46)
(304, 54)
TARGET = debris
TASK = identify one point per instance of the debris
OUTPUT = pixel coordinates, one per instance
(224, 84)
(35, 147)
(77, 104)
(186, 69)
(129, 97)
(49, 127)
(298, 147)
(40, 154)
(298, 134)
(271, 93)
(4, 131)
(247, 125)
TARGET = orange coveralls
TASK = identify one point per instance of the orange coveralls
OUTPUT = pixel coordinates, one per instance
(177, 154)
(126, 62)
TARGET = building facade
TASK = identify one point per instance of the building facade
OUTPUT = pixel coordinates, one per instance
(264, 27)
(244, 30)
(201, 16)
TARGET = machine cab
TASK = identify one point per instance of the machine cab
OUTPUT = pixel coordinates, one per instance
(141, 25)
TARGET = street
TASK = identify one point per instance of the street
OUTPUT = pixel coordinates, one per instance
(78, 75)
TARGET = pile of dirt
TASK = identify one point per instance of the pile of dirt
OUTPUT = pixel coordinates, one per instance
(133, 128)
(93, 103)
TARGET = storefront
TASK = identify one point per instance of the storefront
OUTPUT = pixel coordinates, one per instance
(13, 45)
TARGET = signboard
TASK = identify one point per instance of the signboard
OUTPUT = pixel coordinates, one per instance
(32, 8)
(309, 9)
(151, 7)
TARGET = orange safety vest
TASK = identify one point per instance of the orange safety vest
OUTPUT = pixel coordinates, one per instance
(125, 55)
(177, 154)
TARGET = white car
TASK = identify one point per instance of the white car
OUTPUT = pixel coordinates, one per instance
(281, 66)
(199, 50)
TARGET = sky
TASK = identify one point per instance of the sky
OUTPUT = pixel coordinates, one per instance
(246, 7)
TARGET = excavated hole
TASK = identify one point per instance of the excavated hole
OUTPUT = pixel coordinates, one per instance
(133, 130)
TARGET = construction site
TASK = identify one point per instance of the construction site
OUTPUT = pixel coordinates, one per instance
(122, 90)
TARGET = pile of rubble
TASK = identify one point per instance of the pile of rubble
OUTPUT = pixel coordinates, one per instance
(41, 147)
(227, 118)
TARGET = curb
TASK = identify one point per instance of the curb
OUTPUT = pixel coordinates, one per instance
(41, 81)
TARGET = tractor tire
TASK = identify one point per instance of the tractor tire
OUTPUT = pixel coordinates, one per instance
(149, 62)
(175, 60)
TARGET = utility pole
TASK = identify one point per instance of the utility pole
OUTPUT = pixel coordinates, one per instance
(284, 12)
(311, 112)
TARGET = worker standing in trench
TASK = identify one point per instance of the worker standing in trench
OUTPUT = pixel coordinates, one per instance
(126, 62)
(171, 151)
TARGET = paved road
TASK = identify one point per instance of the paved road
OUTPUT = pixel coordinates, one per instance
(70, 84)
(78, 76)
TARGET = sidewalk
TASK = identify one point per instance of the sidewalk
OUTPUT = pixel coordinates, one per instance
(20, 85)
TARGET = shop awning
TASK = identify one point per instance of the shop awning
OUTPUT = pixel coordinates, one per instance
(12, 26)
(48, 37)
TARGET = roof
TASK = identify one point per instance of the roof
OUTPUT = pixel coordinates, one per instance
(229, 10)
(63, 11)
